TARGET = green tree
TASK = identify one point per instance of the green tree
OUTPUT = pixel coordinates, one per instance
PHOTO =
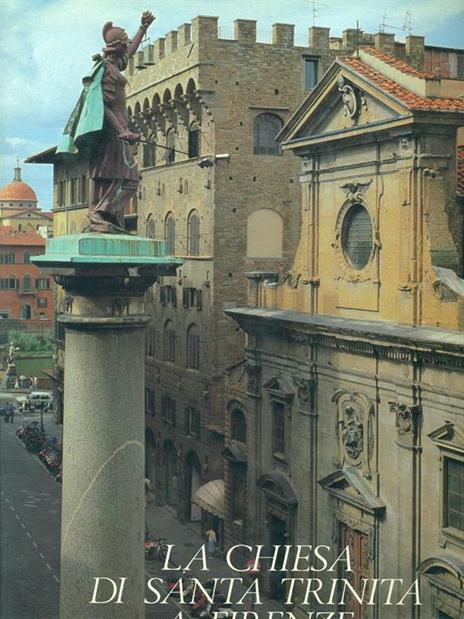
(37, 343)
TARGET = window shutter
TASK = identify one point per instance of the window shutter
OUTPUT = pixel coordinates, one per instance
(185, 297)
(174, 296)
(162, 295)
(199, 299)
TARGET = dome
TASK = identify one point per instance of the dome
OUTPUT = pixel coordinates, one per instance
(17, 190)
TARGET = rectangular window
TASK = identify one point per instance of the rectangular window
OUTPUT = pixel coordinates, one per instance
(150, 402)
(168, 410)
(8, 258)
(42, 302)
(278, 428)
(42, 283)
(148, 158)
(193, 143)
(61, 197)
(150, 342)
(83, 189)
(192, 421)
(310, 75)
(73, 191)
(454, 494)
(171, 295)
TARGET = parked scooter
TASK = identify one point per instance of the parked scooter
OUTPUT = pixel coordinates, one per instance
(155, 548)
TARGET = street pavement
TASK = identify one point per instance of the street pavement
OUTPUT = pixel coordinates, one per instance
(30, 506)
(29, 532)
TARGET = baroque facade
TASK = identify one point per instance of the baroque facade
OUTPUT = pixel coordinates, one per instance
(217, 188)
(351, 396)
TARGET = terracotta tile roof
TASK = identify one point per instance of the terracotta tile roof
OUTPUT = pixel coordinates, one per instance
(408, 98)
(460, 169)
(9, 236)
(397, 64)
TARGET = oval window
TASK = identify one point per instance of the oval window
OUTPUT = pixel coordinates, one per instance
(357, 236)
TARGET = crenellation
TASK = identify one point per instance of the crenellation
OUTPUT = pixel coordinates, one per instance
(283, 35)
(415, 51)
(351, 38)
(159, 48)
(171, 41)
(245, 30)
(385, 42)
(204, 29)
(319, 37)
(184, 34)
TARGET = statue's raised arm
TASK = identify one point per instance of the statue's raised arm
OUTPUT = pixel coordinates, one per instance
(146, 20)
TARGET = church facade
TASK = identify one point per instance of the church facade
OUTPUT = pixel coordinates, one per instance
(345, 423)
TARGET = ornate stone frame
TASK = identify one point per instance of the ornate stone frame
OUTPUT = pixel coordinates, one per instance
(354, 430)
(450, 441)
(354, 192)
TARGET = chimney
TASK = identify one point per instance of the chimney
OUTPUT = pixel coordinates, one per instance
(415, 51)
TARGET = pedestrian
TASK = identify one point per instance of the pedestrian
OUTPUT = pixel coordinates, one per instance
(16, 385)
(35, 382)
(10, 411)
(212, 541)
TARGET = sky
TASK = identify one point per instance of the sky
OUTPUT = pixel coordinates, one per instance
(47, 47)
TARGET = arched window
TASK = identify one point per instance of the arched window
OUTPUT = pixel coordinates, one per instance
(194, 141)
(193, 347)
(169, 341)
(193, 234)
(150, 227)
(238, 425)
(27, 257)
(170, 153)
(170, 234)
(26, 312)
(27, 282)
(266, 128)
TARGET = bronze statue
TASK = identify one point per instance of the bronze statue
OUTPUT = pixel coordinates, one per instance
(99, 129)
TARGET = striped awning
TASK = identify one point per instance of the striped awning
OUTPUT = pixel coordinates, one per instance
(210, 497)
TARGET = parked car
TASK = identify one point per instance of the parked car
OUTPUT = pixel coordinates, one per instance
(35, 401)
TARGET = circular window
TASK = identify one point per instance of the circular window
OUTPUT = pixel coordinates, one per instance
(357, 236)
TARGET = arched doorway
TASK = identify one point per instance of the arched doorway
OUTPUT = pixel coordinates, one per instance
(150, 464)
(170, 473)
(280, 503)
(194, 482)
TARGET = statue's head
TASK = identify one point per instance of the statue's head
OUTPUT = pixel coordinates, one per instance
(114, 36)
(116, 40)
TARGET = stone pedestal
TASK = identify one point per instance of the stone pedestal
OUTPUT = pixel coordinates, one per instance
(102, 529)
